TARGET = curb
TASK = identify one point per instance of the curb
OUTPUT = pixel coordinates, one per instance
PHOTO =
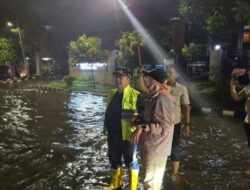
(47, 88)
(61, 89)
(223, 112)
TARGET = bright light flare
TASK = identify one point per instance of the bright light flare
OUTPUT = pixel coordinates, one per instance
(23, 74)
(153, 46)
(217, 47)
(123, 4)
(161, 55)
(9, 24)
(47, 58)
(92, 66)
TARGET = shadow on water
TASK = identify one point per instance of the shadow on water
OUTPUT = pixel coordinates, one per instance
(53, 140)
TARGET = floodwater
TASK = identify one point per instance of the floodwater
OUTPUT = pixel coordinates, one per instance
(54, 140)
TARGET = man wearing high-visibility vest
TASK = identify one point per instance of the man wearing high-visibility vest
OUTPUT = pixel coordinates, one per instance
(123, 104)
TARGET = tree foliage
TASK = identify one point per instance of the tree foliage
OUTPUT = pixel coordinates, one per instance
(242, 12)
(163, 36)
(8, 53)
(213, 15)
(128, 45)
(190, 51)
(34, 35)
(86, 49)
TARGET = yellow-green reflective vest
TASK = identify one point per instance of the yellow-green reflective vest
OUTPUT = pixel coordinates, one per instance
(129, 109)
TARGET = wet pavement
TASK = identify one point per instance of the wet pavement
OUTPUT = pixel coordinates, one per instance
(54, 140)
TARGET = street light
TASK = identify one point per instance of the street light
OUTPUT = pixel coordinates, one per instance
(9, 24)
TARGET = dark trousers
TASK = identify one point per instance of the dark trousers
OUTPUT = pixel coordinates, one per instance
(247, 131)
(118, 148)
(175, 152)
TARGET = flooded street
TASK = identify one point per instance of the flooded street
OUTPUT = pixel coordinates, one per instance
(54, 140)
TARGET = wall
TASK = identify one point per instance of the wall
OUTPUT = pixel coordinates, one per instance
(103, 76)
(214, 64)
(100, 76)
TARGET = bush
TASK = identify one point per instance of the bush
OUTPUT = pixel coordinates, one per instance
(69, 80)
(191, 51)
(83, 78)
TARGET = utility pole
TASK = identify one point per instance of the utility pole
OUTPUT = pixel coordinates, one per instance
(26, 65)
(9, 24)
(139, 50)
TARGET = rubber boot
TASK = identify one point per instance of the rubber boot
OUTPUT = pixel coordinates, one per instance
(116, 180)
(133, 179)
(175, 167)
(175, 170)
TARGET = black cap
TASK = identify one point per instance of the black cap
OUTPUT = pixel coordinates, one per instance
(157, 74)
(122, 71)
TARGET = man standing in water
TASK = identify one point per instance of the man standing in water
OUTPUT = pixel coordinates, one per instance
(180, 92)
(241, 77)
(155, 131)
(124, 103)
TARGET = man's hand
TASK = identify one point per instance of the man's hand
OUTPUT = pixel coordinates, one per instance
(238, 72)
(234, 94)
(233, 84)
(136, 135)
(186, 131)
(140, 71)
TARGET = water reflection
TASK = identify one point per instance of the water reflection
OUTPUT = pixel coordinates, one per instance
(49, 139)
(53, 140)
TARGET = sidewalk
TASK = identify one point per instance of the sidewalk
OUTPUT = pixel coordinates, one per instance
(204, 100)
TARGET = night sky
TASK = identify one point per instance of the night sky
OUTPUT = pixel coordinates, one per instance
(72, 18)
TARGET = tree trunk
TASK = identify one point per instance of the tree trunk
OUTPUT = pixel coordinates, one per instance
(38, 63)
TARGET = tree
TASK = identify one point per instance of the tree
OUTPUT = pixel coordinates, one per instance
(7, 52)
(86, 49)
(216, 20)
(216, 15)
(31, 28)
(164, 36)
(30, 24)
(128, 45)
(242, 12)
(191, 51)
(129, 42)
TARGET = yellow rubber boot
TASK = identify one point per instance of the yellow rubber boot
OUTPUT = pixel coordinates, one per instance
(133, 179)
(175, 170)
(175, 167)
(116, 180)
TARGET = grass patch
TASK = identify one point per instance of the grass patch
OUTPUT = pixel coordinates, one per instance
(57, 84)
(79, 85)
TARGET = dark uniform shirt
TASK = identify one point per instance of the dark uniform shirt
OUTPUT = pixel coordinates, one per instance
(113, 114)
(114, 110)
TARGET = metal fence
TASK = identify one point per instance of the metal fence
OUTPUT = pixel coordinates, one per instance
(198, 68)
(242, 58)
